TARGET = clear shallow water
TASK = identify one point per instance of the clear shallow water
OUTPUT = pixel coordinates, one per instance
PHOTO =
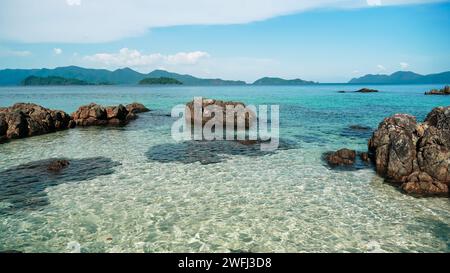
(150, 194)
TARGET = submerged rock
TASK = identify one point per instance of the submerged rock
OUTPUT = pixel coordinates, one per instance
(28, 119)
(24, 186)
(414, 155)
(58, 165)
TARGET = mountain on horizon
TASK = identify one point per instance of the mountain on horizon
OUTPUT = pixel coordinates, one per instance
(280, 81)
(403, 77)
(97, 76)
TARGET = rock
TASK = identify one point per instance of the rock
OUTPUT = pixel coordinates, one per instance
(359, 127)
(392, 146)
(415, 155)
(443, 91)
(366, 90)
(439, 117)
(97, 115)
(341, 157)
(421, 183)
(248, 142)
(3, 124)
(364, 157)
(136, 108)
(57, 165)
(17, 125)
(207, 104)
(116, 112)
(29, 119)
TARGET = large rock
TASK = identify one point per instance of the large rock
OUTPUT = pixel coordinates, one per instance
(415, 155)
(28, 119)
(207, 104)
(97, 115)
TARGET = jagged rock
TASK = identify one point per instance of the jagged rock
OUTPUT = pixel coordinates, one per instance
(28, 119)
(341, 157)
(97, 115)
(416, 155)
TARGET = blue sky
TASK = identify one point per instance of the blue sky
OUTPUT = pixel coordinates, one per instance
(327, 41)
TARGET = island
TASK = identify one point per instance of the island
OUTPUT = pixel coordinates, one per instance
(362, 90)
(443, 91)
(159, 81)
(280, 81)
(52, 80)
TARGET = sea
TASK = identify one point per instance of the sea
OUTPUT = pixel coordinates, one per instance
(136, 189)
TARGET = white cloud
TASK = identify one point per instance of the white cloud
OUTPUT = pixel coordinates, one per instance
(404, 65)
(57, 51)
(6, 52)
(374, 2)
(108, 20)
(136, 59)
(73, 2)
(381, 67)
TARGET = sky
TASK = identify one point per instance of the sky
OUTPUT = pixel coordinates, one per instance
(320, 40)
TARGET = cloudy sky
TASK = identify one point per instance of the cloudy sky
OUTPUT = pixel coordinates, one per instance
(321, 40)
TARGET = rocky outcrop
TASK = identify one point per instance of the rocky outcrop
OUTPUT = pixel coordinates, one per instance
(363, 90)
(209, 104)
(414, 155)
(97, 115)
(443, 91)
(28, 119)
(342, 157)
(366, 90)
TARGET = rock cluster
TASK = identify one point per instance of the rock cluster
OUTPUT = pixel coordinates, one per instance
(414, 155)
(209, 104)
(28, 119)
(96, 115)
(443, 91)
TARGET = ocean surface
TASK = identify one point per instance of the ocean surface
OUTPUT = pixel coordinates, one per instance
(134, 189)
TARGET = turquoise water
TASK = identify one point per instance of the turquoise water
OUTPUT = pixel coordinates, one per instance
(134, 189)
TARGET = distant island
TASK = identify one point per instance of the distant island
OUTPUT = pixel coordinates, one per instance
(125, 76)
(403, 77)
(443, 91)
(160, 80)
(280, 81)
(33, 80)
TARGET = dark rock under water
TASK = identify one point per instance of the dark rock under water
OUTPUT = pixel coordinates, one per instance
(23, 186)
(209, 152)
